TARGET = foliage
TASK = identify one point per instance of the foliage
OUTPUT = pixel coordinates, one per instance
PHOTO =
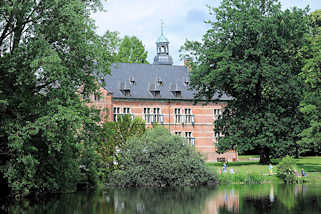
(111, 42)
(141, 200)
(116, 135)
(160, 159)
(250, 53)
(49, 50)
(251, 178)
(286, 170)
(132, 50)
(125, 50)
(311, 73)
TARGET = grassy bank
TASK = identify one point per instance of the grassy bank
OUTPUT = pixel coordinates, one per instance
(248, 170)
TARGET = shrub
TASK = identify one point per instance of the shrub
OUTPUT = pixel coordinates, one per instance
(286, 170)
(275, 161)
(116, 134)
(160, 159)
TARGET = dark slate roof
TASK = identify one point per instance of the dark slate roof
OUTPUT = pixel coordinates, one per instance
(142, 80)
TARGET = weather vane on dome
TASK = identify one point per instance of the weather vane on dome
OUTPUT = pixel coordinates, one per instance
(162, 27)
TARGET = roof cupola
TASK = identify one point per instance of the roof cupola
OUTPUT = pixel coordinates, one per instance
(162, 57)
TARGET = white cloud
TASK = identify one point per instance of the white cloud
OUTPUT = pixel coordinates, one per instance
(184, 19)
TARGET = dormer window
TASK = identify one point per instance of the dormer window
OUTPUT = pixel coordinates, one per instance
(154, 88)
(126, 92)
(124, 88)
(132, 81)
(156, 93)
(159, 81)
(186, 82)
(177, 93)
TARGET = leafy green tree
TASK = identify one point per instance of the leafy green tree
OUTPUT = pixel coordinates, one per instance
(160, 159)
(132, 50)
(311, 73)
(111, 42)
(127, 50)
(250, 53)
(116, 134)
(48, 52)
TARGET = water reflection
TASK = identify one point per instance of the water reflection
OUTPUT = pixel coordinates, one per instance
(216, 200)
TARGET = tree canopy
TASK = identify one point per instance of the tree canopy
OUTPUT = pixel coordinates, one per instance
(311, 73)
(132, 50)
(251, 54)
(127, 50)
(48, 53)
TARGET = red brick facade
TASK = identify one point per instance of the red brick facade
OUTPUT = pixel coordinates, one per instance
(193, 121)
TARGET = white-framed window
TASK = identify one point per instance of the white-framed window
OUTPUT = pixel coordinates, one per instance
(157, 117)
(126, 110)
(188, 117)
(153, 115)
(116, 113)
(147, 115)
(177, 115)
(178, 133)
(189, 138)
(216, 136)
(216, 113)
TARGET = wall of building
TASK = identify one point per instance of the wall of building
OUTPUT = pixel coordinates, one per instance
(198, 123)
(104, 103)
(201, 129)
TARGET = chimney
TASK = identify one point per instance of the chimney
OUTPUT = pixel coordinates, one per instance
(187, 64)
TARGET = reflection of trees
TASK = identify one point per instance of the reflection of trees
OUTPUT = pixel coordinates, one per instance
(281, 198)
(176, 201)
(248, 199)
(80, 203)
(287, 195)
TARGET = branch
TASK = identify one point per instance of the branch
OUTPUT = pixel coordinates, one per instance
(4, 32)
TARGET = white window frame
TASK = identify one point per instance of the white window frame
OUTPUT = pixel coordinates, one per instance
(116, 112)
(177, 115)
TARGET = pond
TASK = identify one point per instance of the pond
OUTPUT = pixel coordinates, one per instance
(222, 199)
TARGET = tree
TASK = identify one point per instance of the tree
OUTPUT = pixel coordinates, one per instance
(126, 50)
(48, 52)
(311, 73)
(116, 135)
(132, 50)
(111, 43)
(160, 159)
(250, 53)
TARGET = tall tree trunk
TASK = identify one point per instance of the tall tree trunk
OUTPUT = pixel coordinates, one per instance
(265, 156)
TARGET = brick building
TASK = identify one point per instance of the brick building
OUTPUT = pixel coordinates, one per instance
(159, 93)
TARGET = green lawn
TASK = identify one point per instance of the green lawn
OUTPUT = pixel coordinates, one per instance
(246, 165)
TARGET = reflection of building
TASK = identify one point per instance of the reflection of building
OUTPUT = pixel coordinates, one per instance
(223, 199)
(159, 93)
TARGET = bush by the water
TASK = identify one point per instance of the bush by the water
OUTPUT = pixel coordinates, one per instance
(286, 170)
(160, 159)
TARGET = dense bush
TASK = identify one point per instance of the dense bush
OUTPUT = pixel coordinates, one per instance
(286, 170)
(160, 159)
(116, 134)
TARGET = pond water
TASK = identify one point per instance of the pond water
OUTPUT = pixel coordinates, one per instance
(222, 199)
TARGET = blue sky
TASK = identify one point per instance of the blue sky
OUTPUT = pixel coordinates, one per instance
(184, 19)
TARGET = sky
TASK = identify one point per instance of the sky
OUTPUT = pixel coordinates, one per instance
(183, 19)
